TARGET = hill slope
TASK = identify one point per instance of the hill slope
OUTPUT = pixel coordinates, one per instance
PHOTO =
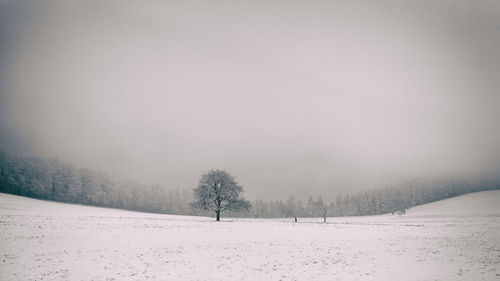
(484, 203)
(42, 240)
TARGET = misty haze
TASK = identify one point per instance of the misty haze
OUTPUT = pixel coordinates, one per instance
(275, 140)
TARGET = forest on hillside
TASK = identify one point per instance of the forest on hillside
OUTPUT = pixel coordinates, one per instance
(52, 179)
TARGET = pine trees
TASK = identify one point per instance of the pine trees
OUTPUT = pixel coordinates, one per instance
(55, 180)
(59, 181)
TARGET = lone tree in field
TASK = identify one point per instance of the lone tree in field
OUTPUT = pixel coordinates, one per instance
(218, 191)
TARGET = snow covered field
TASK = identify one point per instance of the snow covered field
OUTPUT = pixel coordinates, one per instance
(454, 239)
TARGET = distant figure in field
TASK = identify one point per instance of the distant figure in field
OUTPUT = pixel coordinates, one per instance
(295, 219)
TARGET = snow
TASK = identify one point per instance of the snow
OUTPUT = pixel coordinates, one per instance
(485, 203)
(454, 239)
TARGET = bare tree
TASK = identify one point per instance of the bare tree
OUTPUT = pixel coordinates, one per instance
(322, 208)
(218, 191)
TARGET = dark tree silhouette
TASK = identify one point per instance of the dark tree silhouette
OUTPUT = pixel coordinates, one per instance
(218, 191)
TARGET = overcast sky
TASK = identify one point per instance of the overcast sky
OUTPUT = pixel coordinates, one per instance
(291, 97)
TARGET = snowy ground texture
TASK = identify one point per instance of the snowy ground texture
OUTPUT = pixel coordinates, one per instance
(454, 239)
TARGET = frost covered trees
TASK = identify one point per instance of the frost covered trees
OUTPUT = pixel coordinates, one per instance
(61, 181)
(322, 208)
(218, 191)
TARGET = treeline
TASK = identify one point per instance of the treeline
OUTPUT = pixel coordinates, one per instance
(61, 181)
(373, 202)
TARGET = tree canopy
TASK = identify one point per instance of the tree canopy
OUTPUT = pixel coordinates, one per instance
(218, 191)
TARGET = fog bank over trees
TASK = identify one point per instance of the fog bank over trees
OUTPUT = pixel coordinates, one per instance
(304, 98)
(61, 181)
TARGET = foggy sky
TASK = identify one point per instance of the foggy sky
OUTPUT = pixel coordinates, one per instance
(291, 97)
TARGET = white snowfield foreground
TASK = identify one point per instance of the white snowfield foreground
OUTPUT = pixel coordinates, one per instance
(454, 239)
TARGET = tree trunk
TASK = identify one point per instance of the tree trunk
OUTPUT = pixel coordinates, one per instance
(218, 215)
